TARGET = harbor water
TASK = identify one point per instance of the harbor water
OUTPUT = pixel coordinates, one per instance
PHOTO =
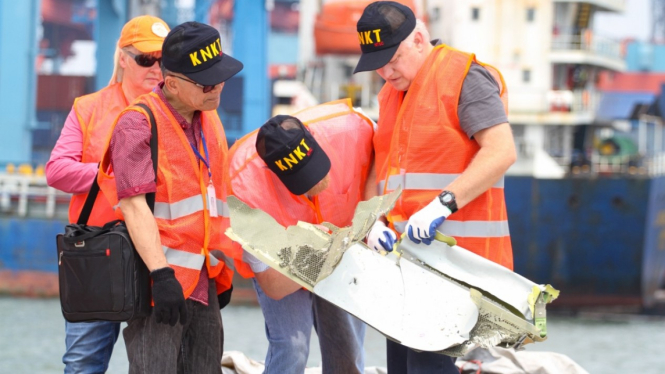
(32, 340)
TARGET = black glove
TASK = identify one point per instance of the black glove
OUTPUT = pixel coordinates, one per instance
(168, 297)
(224, 298)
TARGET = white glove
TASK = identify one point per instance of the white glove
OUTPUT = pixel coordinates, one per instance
(381, 237)
(423, 223)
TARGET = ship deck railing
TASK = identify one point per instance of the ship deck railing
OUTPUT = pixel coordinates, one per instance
(650, 165)
(30, 196)
(588, 42)
(656, 165)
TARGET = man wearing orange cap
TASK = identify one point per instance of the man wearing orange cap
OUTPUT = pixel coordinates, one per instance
(73, 164)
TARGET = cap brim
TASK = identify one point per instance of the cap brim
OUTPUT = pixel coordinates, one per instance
(375, 60)
(312, 173)
(221, 71)
(149, 46)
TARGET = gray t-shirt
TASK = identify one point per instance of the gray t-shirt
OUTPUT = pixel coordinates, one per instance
(479, 106)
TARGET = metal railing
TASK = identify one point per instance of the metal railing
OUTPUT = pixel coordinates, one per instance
(579, 100)
(655, 165)
(589, 42)
(611, 5)
(652, 166)
(30, 196)
(624, 164)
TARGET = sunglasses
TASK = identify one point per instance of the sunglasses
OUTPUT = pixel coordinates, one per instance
(205, 89)
(145, 61)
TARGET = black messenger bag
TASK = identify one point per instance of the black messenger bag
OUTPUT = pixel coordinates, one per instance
(101, 276)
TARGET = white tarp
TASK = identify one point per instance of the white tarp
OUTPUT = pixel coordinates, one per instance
(485, 361)
(507, 361)
(234, 362)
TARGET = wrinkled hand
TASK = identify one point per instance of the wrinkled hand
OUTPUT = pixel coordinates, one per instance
(224, 298)
(422, 224)
(381, 237)
(168, 296)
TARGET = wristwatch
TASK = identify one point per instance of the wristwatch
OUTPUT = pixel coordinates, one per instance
(447, 199)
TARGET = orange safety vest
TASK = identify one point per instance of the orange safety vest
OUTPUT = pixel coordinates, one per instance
(96, 114)
(187, 232)
(346, 137)
(420, 145)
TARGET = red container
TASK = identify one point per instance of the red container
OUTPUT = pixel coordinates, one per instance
(57, 92)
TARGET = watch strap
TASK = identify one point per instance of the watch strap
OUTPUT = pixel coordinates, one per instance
(447, 199)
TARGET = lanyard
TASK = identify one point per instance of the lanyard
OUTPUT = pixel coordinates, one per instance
(200, 157)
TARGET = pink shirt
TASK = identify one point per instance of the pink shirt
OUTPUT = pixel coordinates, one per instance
(64, 169)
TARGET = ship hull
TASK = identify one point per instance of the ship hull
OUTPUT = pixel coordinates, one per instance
(28, 259)
(598, 240)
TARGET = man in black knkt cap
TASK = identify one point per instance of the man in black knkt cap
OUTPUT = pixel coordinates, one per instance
(278, 138)
(446, 113)
(314, 174)
(178, 242)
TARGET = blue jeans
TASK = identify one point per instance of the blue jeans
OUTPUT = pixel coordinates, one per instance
(89, 346)
(403, 360)
(289, 325)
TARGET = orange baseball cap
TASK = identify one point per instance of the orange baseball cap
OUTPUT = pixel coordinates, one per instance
(145, 33)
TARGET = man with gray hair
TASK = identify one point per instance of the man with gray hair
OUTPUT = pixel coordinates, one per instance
(443, 135)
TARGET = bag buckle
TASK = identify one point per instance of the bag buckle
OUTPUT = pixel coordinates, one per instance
(79, 244)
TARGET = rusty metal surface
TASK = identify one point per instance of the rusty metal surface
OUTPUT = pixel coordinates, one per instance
(587, 236)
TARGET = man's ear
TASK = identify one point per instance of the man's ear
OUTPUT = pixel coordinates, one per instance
(419, 40)
(170, 84)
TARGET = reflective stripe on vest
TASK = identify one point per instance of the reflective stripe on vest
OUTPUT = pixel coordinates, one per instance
(223, 208)
(183, 259)
(423, 181)
(186, 207)
(468, 229)
(193, 261)
(226, 259)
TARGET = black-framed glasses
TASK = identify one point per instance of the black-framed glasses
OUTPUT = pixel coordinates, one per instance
(142, 60)
(205, 89)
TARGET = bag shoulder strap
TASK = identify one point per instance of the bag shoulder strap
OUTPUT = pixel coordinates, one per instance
(150, 197)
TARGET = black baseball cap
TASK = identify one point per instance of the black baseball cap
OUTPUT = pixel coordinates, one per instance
(381, 28)
(194, 49)
(291, 152)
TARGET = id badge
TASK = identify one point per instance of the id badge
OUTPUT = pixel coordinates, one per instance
(212, 201)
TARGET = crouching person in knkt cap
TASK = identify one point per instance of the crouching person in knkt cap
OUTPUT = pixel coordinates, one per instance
(177, 242)
(455, 183)
(311, 173)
